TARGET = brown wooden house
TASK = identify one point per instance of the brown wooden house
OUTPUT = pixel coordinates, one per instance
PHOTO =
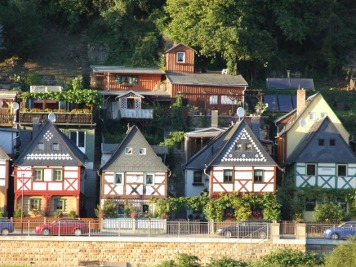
(206, 91)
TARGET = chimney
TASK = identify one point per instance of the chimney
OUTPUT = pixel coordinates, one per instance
(300, 100)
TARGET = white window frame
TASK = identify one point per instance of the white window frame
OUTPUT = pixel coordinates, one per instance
(142, 151)
(199, 175)
(153, 178)
(213, 100)
(180, 55)
(226, 100)
(312, 116)
(258, 178)
(75, 137)
(116, 175)
(128, 151)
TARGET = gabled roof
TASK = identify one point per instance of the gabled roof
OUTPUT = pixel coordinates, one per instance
(126, 70)
(205, 132)
(68, 154)
(129, 93)
(120, 161)
(180, 44)
(208, 79)
(290, 83)
(294, 116)
(221, 150)
(309, 149)
(3, 154)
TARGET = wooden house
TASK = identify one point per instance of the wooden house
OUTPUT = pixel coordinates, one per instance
(234, 161)
(129, 92)
(4, 180)
(207, 91)
(134, 173)
(7, 111)
(49, 174)
(314, 149)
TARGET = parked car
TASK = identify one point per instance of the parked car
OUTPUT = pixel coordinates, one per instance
(64, 226)
(342, 231)
(247, 229)
(6, 226)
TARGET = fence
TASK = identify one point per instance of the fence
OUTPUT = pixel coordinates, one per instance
(161, 227)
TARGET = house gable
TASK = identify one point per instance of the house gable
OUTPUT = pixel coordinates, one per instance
(180, 58)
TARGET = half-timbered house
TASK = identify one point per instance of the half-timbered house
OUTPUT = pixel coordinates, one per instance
(4, 180)
(314, 149)
(234, 161)
(49, 174)
(134, 173)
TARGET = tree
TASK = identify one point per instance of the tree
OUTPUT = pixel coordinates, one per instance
(343, 255)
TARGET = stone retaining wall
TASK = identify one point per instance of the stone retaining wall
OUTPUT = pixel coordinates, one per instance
(134, 251)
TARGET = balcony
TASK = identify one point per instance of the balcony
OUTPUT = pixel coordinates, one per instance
(64, 118)
(136, 113)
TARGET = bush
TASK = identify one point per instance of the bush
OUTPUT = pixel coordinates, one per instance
(328, 212)
(343, 254)
(290, 258)
(184, 260)
(227, 262)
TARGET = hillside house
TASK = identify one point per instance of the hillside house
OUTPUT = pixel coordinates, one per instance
(49, 174)
(234, 161)
(314, 149)
(134, 173)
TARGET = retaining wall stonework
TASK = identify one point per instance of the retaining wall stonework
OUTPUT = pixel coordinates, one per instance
(129, 251)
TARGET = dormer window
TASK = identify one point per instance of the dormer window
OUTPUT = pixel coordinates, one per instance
(332, 142)
(248, 147)
(142, 151)
(55, 146)
(128, 150)
(40, 146)
(180, 57)
(321, 142)
(238, 147)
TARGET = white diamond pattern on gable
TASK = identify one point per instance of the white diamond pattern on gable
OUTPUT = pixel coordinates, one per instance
(34, 156)
(255, 157)
(48, 135)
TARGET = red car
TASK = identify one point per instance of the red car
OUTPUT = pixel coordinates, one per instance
(64, 226)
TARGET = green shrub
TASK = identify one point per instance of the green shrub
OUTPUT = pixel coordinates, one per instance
(328, 212)
(226, 262)
(183, 260)
(343, 254)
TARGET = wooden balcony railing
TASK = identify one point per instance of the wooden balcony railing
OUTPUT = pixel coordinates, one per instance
(136, 113)
(61, 118)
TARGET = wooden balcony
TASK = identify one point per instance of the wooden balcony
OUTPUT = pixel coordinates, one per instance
(136, 113)
(27, 118)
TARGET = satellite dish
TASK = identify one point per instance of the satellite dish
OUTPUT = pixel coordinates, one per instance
(15, 106)
(302, 123)
(52, 117)
(240, 112)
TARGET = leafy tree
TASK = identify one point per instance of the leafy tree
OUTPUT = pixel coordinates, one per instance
(328, 212)
(178, 123)
(183, 260)
(343, 255)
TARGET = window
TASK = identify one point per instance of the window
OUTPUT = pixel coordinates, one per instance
(128, 150)
(78, 137)
(332, 142)
(323, 115)
(35, 204)
(142, 151)
(312, 116)
(227, 100)
(248, 147)
(311, 169)
(321, 142)
(310, 204)
(145, 208)
(37, 175)
(40, 146)
(238, 147)
(55, 146)
(126, 80)
(228, 176)
(341, 170)
(198, 177)
(57, 175)
(59, 204)
(118, 178)
(258, 176)
(180, 57)
(213, 100)
(121, 210)
(149, 179)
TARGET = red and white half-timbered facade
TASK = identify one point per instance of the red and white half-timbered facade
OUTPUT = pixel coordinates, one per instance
(134, 173)
(48, 174)
(235, 161)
